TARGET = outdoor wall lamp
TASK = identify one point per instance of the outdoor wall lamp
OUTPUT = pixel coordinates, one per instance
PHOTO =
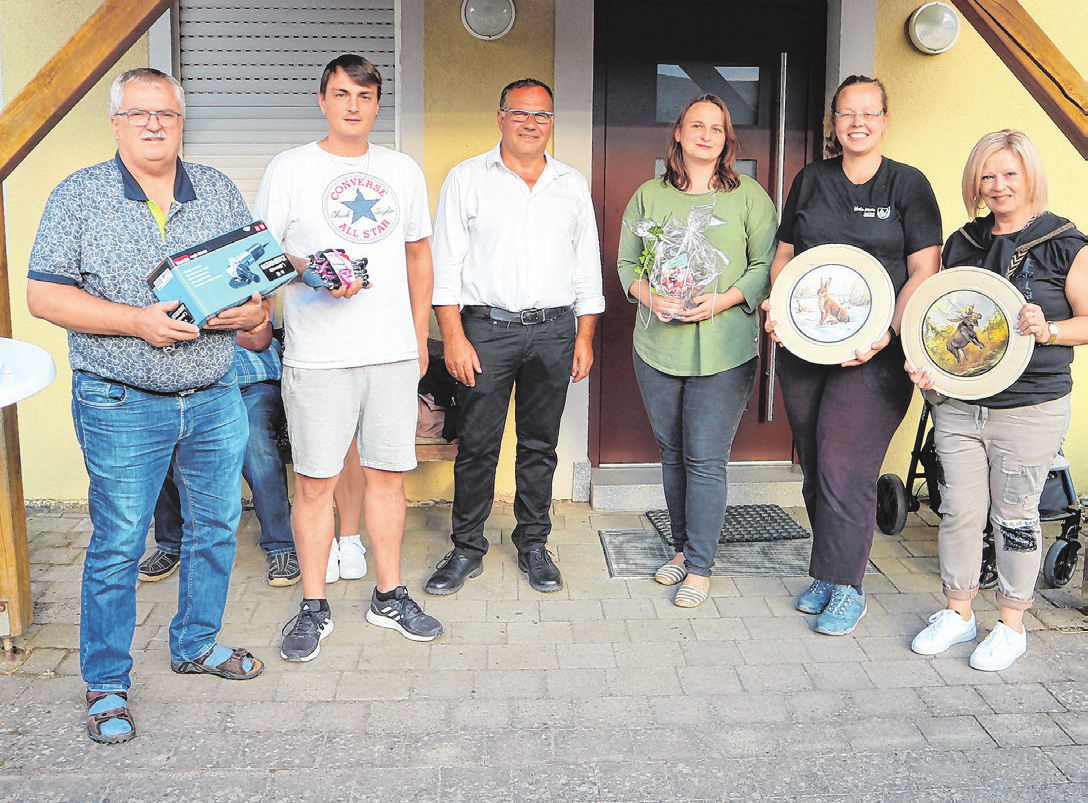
(933, 28)
(488, 19)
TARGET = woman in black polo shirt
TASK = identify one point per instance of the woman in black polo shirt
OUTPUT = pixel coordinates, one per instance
(996, 452)
(843, 416)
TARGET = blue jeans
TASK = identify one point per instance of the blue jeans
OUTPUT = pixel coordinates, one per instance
(263, 470)
(694, 419)
(130, 438)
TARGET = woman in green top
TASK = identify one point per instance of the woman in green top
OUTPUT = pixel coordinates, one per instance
(695, 357)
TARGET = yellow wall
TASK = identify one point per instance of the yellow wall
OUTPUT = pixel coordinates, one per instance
(462, 79)
(941, 105)
(32, 33)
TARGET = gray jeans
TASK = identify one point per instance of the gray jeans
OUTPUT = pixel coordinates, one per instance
(995, 460)
(694, 419)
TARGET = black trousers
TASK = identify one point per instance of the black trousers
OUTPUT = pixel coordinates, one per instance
(535, 362)
(843, 420)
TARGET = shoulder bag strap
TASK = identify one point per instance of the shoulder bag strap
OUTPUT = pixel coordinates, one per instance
(1022, 251)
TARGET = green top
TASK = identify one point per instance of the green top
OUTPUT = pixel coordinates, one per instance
(743, 228)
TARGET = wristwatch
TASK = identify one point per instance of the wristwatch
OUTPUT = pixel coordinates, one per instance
(1053, 333)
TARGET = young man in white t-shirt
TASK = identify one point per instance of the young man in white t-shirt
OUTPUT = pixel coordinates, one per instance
(353, 356)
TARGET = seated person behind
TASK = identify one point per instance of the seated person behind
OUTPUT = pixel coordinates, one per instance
(257, 363)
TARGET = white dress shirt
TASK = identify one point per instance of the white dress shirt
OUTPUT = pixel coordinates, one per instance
(499, 243)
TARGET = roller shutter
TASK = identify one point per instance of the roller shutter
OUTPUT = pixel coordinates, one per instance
(251, 70)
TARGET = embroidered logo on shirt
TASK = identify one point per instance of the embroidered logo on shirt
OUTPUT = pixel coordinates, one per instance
(361, 207)
(879, 212)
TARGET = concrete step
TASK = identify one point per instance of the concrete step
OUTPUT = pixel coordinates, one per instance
(638, 487)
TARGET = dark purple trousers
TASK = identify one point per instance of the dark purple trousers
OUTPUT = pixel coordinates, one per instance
(843, 420)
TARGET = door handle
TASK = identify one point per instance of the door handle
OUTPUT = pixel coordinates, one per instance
(779, 185)
(780, 134)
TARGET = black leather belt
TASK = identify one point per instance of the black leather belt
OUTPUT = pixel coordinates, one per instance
(525, 316)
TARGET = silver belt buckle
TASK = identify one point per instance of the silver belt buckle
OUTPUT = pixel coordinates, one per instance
(530, 316)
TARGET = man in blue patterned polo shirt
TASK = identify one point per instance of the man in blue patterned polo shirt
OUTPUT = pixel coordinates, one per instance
(148, 392)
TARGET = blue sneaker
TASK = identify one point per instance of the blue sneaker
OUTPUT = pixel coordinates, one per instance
(843, 612)
(815, 598)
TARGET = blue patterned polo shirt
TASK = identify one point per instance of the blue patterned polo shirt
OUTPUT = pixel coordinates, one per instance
(252, 367)
(98, 234)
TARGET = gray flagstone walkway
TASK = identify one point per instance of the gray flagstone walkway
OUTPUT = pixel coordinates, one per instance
(601, 692)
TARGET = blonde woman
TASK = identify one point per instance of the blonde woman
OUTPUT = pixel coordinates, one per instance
(996, 451)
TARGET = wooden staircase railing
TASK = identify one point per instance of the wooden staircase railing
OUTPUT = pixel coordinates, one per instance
(24, 122)
(1036, 61)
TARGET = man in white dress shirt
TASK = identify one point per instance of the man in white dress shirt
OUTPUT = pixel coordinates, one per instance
(517, 294)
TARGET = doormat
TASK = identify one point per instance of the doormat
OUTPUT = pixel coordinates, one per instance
(743, 523)
(633, 554)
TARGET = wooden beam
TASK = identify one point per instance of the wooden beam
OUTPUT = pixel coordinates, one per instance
(1036, 61)
(16, 608)
(76, 67)
(24, 122)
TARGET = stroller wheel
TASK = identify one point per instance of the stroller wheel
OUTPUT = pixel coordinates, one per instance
(891, 504)
(1060, 563)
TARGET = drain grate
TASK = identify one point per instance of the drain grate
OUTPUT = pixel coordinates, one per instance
(743, 523)
(632, 554)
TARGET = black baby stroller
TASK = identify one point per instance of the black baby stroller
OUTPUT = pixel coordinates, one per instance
(1059, 502)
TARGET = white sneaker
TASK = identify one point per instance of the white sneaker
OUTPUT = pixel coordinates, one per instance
(332, 572)
(1000, 649)
(352, 558)
(946, 628)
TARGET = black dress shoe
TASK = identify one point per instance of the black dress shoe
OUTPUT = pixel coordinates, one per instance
(452, 571)
(543, 575)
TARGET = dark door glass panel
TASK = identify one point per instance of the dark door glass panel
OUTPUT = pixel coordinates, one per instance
(737, 86)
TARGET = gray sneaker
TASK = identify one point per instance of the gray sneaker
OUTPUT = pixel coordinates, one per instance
(158, 566)
(283, 570)
(302, 636)
(403, 615)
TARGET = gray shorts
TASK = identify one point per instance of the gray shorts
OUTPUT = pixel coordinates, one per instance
(327, 407)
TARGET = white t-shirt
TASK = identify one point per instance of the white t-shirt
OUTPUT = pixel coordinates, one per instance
(369, 205)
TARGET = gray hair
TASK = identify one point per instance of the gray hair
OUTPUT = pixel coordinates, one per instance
(144, 75)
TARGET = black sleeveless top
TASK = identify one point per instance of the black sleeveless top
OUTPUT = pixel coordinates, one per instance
(1041, 278)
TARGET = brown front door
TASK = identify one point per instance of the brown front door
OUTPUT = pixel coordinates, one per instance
(765, 59)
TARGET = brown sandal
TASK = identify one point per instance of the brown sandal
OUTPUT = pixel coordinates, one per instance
(96, 721)
(232, 669)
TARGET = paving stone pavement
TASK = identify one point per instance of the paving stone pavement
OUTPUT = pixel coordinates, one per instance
(603, 691)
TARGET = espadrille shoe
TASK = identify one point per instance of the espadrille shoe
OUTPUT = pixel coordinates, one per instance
(670, 574)
(688, 596)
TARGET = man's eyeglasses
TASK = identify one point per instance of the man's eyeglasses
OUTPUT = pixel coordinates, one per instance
(520, 116)
(138, 118)
(854, 115)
